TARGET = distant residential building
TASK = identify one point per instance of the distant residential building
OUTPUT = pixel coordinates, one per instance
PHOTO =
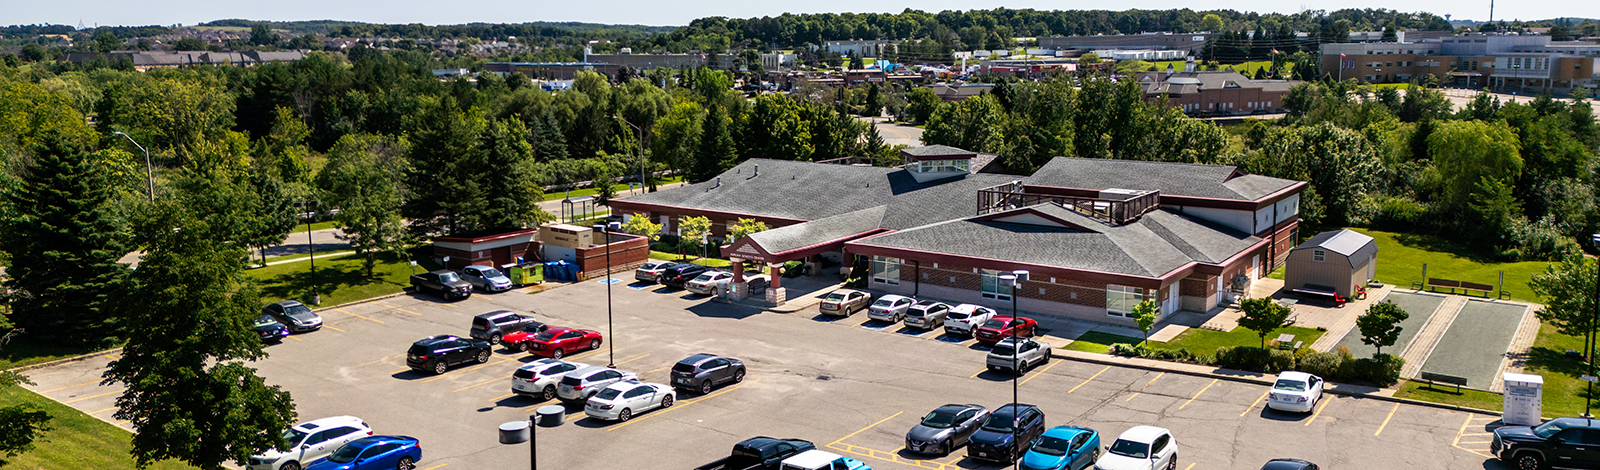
(553, 70)
(1215, 93)
(146, 60)
(957, 92)
(1189, 43)
(862, 47)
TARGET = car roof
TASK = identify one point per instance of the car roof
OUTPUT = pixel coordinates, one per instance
(1291, 375)
(587, 371)
(958, 407)
(1286, 464)
(435, 339)
(548, 362)
(892, 297)
(1067, 432)
(443, 271)
(697, 358)
(370, 440)
(927, 303)
(812, 459)
(1008, 340)
(287, 303)
(846, 291)
(625, 385)
(1579, 422)
(332, 421)
(495, 314)
(1143, 434)
(966, 307)
(1006, 409)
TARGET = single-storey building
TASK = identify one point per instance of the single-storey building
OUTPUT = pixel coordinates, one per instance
(493, 248)
(1098, 236)
(1342, 260)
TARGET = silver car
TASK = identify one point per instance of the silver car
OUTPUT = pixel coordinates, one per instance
(706, 283)
(579, 385)
(538, 379)
(651, 270)
(622, 400)
(890, 308)
(486, 278)
(1018, 356)
(927, 314)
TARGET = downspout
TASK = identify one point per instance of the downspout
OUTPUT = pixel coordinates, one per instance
(916, 278)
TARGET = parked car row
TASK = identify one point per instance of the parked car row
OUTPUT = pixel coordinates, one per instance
(612, 394)
(978, 321)
(339, 443)
(452, 285)
(691, 277)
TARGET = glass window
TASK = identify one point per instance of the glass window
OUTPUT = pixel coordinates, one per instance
(993, 286)
(886, 270)
(1120, 300)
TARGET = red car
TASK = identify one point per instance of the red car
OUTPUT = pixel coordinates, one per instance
(999, 328)
(555, 341)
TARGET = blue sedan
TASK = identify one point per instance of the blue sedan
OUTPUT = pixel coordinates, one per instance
(373, 453)
(1063, 448)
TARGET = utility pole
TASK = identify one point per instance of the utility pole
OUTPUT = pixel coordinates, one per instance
(149, 171)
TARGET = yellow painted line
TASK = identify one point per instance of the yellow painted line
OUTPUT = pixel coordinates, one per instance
(658, 370)
(892, 457)
(481, 383)
(449, 305)
(385, 358)
(69, 386)
(296, 339)
(659, 412)
(1257, 402)
(1386, 419)
(1038, 373)
(331, 327)
(1463, 431)
(401, 371)
(863, 322)
(974, 376)
(340, 310)
(873, 425)
(573, 416)
(485, 365)
(1476, 442)
(634, 359)
(508, 395)
(1318, 412)
(403, 310)
(1146, 385)
(75, 400)
(1197, 394)
(95, 412)
(436, 466)
(1086, 381)
(1190, 467)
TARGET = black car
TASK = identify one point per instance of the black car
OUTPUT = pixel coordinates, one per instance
(702, 371)
(294, 315)
(1289, 464)
(994, 440)
(676, 276)
(445, 282)
(270, 330)
(438, 353)
(945, 428)
(493, 325)
(1560, 442)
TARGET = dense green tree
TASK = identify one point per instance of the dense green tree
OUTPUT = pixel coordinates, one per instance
(974, 124)
(1380, 325)
(1262, 315)
(1339, 163)
(445, 196)
(362, 179)
(1466, 152)
(677, 136)
(922, 102)
(1567, 291)
(716, 151)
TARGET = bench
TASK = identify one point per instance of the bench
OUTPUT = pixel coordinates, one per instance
(1466, 287)
(1449, 379)
(1322, 292)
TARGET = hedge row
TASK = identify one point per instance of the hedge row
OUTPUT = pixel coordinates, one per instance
(1382, 371)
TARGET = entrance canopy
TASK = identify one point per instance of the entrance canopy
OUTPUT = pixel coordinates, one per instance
(810, 238)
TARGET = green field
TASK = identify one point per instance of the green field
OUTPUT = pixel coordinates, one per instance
(76, 441)
(314, 227)
(1196, 340)
(1097, 342)
(1401, 257)
(709, 262)
(1248, 68)
(1468, 398)
(1563, 391)
(340, 279)
(559, 195)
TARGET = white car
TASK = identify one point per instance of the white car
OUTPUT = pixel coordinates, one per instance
(1295, 391)
(539, 378)
(311, 441)
(966, 317)
(579, 385)
(820, 460)
(706, 283)
(890, 308)
(1141, 448)
(1007, 354)
(622, 400)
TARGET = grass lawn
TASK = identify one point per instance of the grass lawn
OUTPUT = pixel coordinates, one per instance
(1203, 341)
(1563, 391)
(1248, 68)
(708, 262)
(1097, 342)
(314, 227)
(1446, 394)
(559, 195)
(22, 352)
(76, 440)
(340, 279)
(1401, 256)
(320, 255)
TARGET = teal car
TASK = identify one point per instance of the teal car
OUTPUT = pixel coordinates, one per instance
(1063, 448)
(820, 460)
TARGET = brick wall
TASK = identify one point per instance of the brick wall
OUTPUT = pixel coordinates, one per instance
(625, 256)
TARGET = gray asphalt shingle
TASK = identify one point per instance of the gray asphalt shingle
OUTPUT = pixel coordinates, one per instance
(1175, 179)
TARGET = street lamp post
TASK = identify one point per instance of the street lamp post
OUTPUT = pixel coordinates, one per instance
(316, 299)
(1014, 279)
(641, 150)
(611, 349)
(149, 171)
(1594, 315)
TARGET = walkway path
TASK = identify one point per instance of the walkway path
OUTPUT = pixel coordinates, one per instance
(1422, 345)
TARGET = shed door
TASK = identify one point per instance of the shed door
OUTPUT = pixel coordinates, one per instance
(1172, 299)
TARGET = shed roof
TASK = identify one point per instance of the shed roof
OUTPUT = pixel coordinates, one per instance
(1355, 246)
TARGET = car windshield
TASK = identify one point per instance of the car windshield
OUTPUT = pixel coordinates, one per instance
(346, 454)
(1138, 450)
(1290, 385)
(940, 419)
(294, 436)
(265, 320)
(835, 297)
(296, 310)
(490, 272)
(994, 324)
(684, 368)
(883, 303)
(999, 423)
(1053, 446)
(449, 277)
(545, 336)
(608, 394)
(1550, 428)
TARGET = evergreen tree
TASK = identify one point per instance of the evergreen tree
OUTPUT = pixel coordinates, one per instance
(549, 143)
(716, 151)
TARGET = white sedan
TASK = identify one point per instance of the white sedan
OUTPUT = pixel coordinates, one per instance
(706, 283)
(539, 378)
(311, 441)
(1295, 391)
(622, 400)
(1141, 448)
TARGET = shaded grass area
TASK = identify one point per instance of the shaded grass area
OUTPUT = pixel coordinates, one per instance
(340, 279)
(709, 262)
(1203, 341)
(1446, 394)
(1402, 255)
(559, 195)
(1098, 342)
(76, 440)
(314, 227)
(1564, 392)
(23, 351)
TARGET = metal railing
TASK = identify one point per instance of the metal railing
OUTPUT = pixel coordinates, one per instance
(1114, 207)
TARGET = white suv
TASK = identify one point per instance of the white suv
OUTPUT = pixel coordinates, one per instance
(579, 385)
(311, 441)
(539, 378)
(1141, 448)
(966, 317)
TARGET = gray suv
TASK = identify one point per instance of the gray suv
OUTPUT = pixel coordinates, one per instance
(493, 325)
(927, 314)
(293, 314)
(703, 371)
(1018, 356)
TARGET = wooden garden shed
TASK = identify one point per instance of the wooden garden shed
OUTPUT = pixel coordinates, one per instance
(1341, 260)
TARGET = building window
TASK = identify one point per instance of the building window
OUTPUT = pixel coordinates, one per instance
(1120, 300)
(943, 166)
(886, 270)
(993, 286)
(1319, 256)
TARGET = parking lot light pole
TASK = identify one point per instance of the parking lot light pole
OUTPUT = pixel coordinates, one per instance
(149, 171)
(1015, 281)
(316, 299)
(1594, 315)
(641, 150)
(611, 349)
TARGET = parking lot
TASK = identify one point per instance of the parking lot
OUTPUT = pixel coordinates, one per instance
(848, 387)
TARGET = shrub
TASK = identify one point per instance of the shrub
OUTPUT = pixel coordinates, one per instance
(1243, 357)
(1325, 364)
(793, 269)
(1126, 350)
(1383, 370)
(1280, 360)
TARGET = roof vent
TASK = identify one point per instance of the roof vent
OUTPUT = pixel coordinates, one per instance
(757, 172)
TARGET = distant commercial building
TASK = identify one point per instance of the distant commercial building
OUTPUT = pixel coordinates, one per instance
(1504, 62)
(1140, 54)
(146, 60)
(1215, 93)
(862, 47)
(1189, 43)
(553, 70)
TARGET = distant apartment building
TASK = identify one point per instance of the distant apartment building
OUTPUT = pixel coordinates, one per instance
(1222, 93)
(146, 60)
(862, 47)
(1515, 63)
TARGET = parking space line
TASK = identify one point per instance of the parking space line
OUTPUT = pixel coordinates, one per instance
(69, 386)
(1386, 419)
(449, 305)
(1318, 412)
(484, 366)
(436, 466)
(634, 359)
(892, 457)
(1197, 394)
(502, 397)
(863, 322)
(1190, 467)
(401, 371)
(1463, 432)
(481, 383)
(1086, 381)
(340, 310)
(296, 339)
(331, 327)
(974, 376)
(659, 412)
(75, 400)
(1146, 385)
(873, 425)
(95, 412)
(1257, 402)
(1038, 373)
(403, 310)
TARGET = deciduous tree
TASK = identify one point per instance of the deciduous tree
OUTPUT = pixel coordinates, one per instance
(362, 179)
(1262, 316)
(1380, 326)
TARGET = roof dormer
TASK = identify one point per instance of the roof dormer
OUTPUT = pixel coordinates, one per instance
(937, 162)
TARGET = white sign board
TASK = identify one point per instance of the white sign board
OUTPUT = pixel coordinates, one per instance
(1523, 399)
(1589, 378)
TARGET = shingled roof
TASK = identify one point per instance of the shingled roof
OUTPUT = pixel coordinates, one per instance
(1172, 179)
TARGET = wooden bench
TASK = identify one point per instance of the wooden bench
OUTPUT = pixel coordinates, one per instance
(1449, 379)
(1466, 287)
(1322, 292)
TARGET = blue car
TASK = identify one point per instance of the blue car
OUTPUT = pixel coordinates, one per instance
(1063, 448)
(373, 453)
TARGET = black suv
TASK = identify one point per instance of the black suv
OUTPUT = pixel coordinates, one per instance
(993, 441)
(1560, 442)
(491, 326)
(676, 276)
(438, 353)
(702, 371)
(445, 282)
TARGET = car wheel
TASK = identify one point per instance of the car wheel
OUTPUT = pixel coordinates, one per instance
(666, 401)
(738, 376)
(483, 356)
(557, 354)
(439, 367)
(593, 345)
(494, 339)
(521, 347)
(945, 449)
(1173, 464)
(549, 392)
(1529, 461)
(406, 464)
(705, 387)
(291, 465)
(625, 415)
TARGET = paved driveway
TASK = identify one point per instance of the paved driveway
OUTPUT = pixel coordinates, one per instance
(848, 385)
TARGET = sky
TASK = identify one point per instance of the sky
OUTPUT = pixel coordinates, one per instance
(669, 13)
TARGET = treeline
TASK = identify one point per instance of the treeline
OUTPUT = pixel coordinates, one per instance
(574, 32)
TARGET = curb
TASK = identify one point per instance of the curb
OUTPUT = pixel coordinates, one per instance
(362, 301)
(1244, 378)
(64, 360)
